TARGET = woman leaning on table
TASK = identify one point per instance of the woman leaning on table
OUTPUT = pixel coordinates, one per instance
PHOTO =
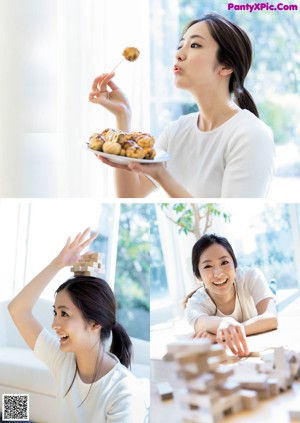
(224, 150)
(232, 302)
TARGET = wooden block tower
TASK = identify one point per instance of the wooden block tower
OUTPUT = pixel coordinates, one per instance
(90, 264)
(210, 395)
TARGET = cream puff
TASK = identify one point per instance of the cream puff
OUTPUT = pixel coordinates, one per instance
(111, 148)
(131, 53)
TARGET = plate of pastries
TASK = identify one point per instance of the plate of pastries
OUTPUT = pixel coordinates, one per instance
(125, 147)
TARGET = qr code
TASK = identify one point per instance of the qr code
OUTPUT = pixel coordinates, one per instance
(15, 407)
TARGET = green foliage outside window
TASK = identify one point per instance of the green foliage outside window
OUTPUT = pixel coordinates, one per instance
(132, 281)
(274, 78)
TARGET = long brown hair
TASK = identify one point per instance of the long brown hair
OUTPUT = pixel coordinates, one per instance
(235, 52)
(96, 302)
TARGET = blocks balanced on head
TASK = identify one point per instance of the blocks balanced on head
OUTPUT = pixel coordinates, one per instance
(90, 264)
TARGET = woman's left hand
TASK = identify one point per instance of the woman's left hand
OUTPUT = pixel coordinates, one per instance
(149, 169)
(72, 250)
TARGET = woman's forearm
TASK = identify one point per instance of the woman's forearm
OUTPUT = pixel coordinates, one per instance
(27, 298)
(132, 184)
(261, 323)
(123, 121)
(210, 323)
(171, 186)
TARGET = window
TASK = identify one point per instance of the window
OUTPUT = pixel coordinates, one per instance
(132, 279)
(32, 232)
(56, 49)
(262, 235)
(275, 38)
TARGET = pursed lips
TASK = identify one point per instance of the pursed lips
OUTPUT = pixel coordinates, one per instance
(177, 68)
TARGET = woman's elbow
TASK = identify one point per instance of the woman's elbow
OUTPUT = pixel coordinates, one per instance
(273, 322)
(269, 322)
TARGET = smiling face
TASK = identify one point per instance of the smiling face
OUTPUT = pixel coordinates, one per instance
(196, 64)
(74, 332)
(217, 270)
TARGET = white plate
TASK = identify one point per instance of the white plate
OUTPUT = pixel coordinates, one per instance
(161, 156)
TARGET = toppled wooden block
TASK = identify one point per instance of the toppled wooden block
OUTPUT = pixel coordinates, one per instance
(165, 390)
(294, 413)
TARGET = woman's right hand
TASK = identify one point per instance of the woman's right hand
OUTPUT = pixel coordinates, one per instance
(71, 252)
(232, 334)
(106, 93)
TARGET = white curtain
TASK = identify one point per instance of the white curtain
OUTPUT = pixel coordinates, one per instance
(177, 250)
(51, 51)
(33, 231)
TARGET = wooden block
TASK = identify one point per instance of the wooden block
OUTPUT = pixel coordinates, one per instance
(205, 401)
(223, 372)
(265, 367)
(83, 274)
(229, 387)
(228, 404)
(82, 268)
(93, 264)
(280, 359)
(249, 399)
(264, 393)
(294, 369)
(256, 381)
(217, 350)
(199, 416)
(90, 273)
(248, 366)
(284, 381)
(200, 361)
(254, 354)
(94, 256)
(200, 345)
(213, 363)
(273, 385)
(202, 383)
(294, 413)
(165, 391)
(188, 373)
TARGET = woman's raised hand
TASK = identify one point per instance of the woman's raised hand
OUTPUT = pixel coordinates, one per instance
(106, 93)
(232, 334)
(72, 250)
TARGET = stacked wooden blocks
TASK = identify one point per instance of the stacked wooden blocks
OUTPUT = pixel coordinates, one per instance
(215, 388)
(90, 264)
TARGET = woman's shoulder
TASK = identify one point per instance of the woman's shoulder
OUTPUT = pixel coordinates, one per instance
(245, 274)
(119, 372)
(249, 123)
(198, 296)
(183, 122)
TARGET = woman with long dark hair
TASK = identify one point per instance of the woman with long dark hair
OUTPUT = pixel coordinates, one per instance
(232, 302)
(224, 150)
(93, 385)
